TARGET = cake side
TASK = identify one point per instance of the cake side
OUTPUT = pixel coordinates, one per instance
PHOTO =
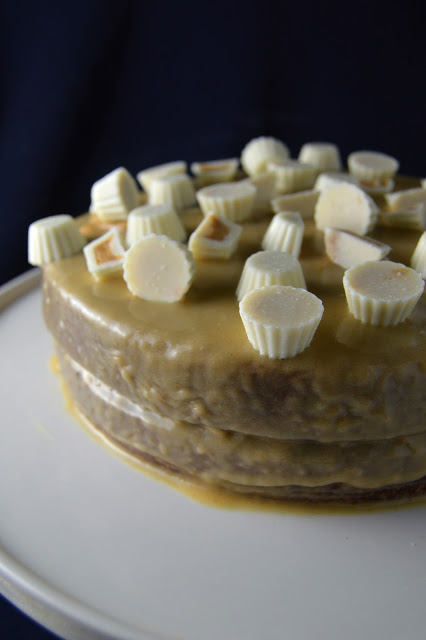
(196, 364)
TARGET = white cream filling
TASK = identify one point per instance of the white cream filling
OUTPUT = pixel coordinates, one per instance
(115, 399)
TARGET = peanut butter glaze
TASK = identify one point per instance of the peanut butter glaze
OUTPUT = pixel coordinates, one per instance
(191, 360)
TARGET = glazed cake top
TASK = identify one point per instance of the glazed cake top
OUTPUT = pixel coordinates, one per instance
(191, 360)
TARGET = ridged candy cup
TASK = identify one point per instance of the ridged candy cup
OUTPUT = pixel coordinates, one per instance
(324, 156)
(285, 233)
(346, 206)
(176, 190)
(330, 179)
(161, 219)
(214, 238)
(114, 195)
(280, 321)
(266, 268)
(53, 238)
(105, 255)
(259, 151)
(418, 259)
(372, 165)
(214, 171)
(382, 293)
(146, 176)
(233, 201)
(291, 176)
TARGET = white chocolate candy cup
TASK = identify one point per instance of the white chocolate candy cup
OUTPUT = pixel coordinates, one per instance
(114, 195)
(330, 179)
(177, 190)
(382, 293)
(372, 165)
(399, 200)
(413, 217)
(105, 255)
(348, 249)
(259, 151)
(418, 259)
(325, 156)
(159, 269)
(270, 268)
(215, 171)
(304, 202)
(160, 171)
(161, 219)
(233, 201)
(284, 233)
(280, 321)
(265, 187)
(346, 207)
(378, 187)
(53, 238)
(292, 176)
(214, 238)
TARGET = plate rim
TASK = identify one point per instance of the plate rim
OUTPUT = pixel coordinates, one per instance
(48, 605)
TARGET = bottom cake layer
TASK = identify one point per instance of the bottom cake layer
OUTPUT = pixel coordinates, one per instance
(388, 471)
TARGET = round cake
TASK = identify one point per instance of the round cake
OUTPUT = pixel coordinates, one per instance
(179, 387)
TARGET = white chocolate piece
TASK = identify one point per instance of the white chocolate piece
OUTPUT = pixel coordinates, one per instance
(159, 269)
(413, 217)
(215, 171)
(259, 151)
(347, 207)
(418, 259)
(330, 179)
(382, 293)
(53, 238)
(372, 166)
(348, 249)
(214, 238)
(269, 268)
(160, 171)
(291, 176)
(114, 195)
(176, 189)
(105, 255)
(400, 200)
(378, 187)
(161, 219)
(285, 233)
(280, 321)
(265, 187)
(233, 201)
(304, 202)
(324, 156)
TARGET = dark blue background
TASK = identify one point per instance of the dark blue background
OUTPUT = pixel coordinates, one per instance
(89, 86)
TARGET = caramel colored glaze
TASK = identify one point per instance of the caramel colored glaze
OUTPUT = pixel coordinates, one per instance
(191, 360)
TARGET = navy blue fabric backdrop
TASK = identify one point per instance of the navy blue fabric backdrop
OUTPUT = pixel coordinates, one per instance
(89, 86)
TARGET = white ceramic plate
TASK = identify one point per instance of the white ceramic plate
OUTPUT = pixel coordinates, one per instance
(92, 548)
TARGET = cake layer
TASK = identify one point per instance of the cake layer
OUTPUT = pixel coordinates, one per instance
(191, 361)
(247, 464)
(215, 455)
